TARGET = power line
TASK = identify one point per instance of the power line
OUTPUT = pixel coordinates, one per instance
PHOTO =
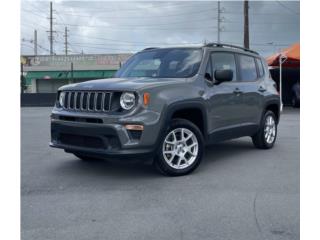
(130, 42)
(33, 25)
(25, 45)
(32, 42)
(135, 44)
(257, 14)
(262, 23)
(173, 23)
(142, 17)
(128, 27)
(104, 48)
(286, 7)
(139, 10)
(34, 13)
(143, 25)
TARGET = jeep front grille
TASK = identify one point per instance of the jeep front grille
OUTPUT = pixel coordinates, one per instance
(87, 101)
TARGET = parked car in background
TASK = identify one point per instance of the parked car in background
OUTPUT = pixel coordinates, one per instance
(295, 100)
(168, 103)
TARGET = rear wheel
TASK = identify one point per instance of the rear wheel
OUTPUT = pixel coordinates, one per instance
(294, 101)
(267, 134)
(180, 151)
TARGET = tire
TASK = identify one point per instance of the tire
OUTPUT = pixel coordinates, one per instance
(185, 154)
(295, 102)
(86, 158)
(260, 139)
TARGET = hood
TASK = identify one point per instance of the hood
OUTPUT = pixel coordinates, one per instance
(122, 84)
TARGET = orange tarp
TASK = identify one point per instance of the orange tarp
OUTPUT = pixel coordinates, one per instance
(293, 57)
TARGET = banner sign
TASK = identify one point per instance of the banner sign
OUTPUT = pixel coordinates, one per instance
(99, 61)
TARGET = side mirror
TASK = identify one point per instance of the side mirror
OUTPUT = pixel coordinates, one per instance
(223, 75)
(208, 77)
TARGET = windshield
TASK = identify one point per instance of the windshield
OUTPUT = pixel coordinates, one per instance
(163, 63)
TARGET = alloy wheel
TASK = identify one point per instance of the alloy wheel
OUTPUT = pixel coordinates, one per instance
(180, 148)
(270, 129)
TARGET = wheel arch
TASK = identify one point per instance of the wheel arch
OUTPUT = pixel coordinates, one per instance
(193, 111)
(274, 106)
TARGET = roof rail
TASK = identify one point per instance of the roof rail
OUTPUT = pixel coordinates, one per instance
(214, 44)
(149, 48)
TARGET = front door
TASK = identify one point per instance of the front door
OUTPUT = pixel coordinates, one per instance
(223, 103)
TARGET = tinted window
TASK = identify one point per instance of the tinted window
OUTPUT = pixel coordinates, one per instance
(223, 61)
(163, 63)
(260, 67)
(248, 70)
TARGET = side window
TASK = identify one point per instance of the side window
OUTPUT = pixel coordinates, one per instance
(223, 61)
(248, 71)
(260, 67)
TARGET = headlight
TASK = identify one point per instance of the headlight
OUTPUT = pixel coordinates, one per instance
(61, 98)
(127, 100)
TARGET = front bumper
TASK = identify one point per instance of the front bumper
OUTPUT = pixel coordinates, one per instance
(108, 137)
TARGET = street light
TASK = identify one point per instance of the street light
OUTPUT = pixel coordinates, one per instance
(282, 59)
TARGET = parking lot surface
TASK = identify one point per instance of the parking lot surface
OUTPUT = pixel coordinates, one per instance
(238, 192)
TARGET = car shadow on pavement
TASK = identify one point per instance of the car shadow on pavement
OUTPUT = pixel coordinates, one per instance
(227, 150)
(108, 168)
(218, 154)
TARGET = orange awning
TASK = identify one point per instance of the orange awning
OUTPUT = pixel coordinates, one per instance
(293, 57)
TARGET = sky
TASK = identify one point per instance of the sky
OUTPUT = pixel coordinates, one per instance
(100, 27)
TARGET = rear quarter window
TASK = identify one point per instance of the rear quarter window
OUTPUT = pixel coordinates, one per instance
(260, 67)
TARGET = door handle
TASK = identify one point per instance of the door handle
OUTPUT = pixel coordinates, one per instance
(262, 89)
(237, 91)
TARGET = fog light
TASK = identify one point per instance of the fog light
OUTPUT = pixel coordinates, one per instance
(134, 127)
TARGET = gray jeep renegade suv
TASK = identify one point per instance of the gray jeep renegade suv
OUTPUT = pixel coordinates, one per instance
(168, 103)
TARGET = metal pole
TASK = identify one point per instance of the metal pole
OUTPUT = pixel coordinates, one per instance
(66, 40)
(282, 59)
(51, 31)
(21, 78)
(280, 81)
(72, 72)
(246, 25)
(219, 21)
(35, 41)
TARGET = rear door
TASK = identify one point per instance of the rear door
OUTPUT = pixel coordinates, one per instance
(251, 87)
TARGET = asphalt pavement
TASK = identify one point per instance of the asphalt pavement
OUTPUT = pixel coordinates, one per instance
(237, 193)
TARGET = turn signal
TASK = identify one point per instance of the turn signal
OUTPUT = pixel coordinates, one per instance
(134, 127)
(146, 98)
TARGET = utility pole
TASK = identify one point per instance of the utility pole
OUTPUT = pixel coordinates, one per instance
(51, 31)
(219, 20)
(71, 72)
(246, 24)
(22, 83)
(35, 42)
(66, 40)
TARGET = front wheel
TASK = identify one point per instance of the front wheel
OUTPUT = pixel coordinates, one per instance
(181, 149)
(267, 134)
